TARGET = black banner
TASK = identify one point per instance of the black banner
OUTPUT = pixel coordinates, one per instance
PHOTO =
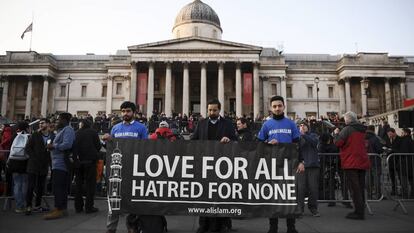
(205, 178)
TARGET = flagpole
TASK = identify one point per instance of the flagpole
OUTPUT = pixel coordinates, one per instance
(31, 34)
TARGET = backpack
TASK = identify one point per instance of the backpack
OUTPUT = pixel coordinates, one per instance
(17, 150)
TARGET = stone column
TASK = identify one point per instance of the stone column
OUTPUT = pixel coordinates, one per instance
(364, 98)
(168, 96)
(402, 91)
(150, 94)
(5, 97)
(239, 107)
(45, 92)
(28, 108)
(283, 91)
(348, 94)
(133, 87)
(221, 86)
(186, 90)
(387, 94)
(109, 91)
(266, 90)
(203, 90)
(256, 90)
(341, 98)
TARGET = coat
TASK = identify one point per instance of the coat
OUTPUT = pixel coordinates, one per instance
(39, 156)
(225, 128)
(351, 142)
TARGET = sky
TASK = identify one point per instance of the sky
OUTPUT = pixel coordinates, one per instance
(334, 27)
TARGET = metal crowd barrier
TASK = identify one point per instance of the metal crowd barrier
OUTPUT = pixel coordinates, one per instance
(333, 187)
(401, 177)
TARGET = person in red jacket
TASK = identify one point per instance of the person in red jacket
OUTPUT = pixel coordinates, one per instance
(6, 142)
(354, 160)
(163, 132)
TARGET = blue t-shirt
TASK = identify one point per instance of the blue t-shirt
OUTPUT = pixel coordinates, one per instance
(134, 130)
(284, 131)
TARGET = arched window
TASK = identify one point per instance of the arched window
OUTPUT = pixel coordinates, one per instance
(178, 34)
(215, 34)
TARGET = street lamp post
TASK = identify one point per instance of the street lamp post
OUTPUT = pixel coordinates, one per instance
(68, 81)
(317, 95)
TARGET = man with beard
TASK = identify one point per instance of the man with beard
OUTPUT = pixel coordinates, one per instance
(280, 129)
(60, 148)
(214, 127)
(129, 128)
(243, 133)
(38, 164)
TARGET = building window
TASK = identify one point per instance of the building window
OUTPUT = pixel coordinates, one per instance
(104, 90)
(274, 89)
(83, 92)
(195, 32)
(289, 93)
(331, 92)
(156, 84)
(310, 91)
(62, 91)
(215, 34)
(178, 34)
(118, 89)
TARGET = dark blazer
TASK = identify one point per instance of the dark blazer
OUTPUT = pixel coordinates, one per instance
(225, 128)
(87, 145)
(39, 156)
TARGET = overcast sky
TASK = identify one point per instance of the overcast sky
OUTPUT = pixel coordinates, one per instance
(300, 26)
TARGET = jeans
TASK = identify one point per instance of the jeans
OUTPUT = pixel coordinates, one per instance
(20, 182)
(356, 182)
(60, 183)
(309, 184)
(37, 185)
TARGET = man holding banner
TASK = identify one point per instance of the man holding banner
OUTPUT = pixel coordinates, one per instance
(128, 128)
(280, 129)
(214, 127)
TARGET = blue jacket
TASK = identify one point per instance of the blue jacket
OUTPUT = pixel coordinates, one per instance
(63, 141)
(309, 149)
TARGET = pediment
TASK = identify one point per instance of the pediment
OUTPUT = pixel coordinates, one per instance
(194, 44)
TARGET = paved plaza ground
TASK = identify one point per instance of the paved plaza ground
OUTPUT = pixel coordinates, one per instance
(383, 220)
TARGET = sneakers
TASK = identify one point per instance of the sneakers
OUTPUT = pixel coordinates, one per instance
(315, 213)
(39, 209)
(55, 214)
(355, 216)
(28, 210)
(19, 210)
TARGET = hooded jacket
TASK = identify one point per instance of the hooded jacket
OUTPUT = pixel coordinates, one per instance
(351, 142)
(163, 132)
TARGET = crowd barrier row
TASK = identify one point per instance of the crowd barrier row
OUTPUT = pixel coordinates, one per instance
(390, 176)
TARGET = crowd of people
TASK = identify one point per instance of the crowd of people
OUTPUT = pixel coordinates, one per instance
(68, 147)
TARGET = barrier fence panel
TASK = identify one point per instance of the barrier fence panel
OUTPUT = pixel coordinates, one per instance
(401, 176)
(333, 186)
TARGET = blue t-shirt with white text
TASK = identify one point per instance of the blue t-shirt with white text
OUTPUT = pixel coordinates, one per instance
(284, 131)
(134, 130)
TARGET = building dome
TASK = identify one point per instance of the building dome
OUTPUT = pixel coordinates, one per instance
(197, 19)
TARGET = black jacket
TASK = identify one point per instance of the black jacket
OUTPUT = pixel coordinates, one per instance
(374, 143)
(87, 145)
(245, 135)
(39, 156)
(225, 128)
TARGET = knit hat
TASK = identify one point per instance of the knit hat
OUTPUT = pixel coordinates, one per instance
(163, 124)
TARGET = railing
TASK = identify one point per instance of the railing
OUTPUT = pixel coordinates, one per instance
(401, 176)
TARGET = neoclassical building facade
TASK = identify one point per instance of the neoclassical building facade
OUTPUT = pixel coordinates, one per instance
(180, 75)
